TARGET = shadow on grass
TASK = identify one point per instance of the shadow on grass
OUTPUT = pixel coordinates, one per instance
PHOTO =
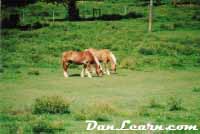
(107, 17)
(33, 26)
(78, 75)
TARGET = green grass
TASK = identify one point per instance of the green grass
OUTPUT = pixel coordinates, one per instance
(125, 95)
(174, 43)
(160, 65)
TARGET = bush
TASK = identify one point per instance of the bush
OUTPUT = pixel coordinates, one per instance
(101, 117)
(103, 107)
(33, 72)
(133, 15)
(51, 105)
(196, 89)
(154, 104)
(168, 26)
(128, 63)
(147, 51)
(196, 16)
(174, 104)
(99, 111)
(176, 63)
(82, 115)
(42, 125)
(110, 17)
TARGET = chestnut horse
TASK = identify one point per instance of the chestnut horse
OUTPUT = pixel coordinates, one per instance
(84, 58)
(105, 56)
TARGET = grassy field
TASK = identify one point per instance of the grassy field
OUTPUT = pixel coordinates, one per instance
(157, 80)
(174, 42)
(139, 96)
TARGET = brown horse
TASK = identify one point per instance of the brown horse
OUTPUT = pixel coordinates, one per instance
(105, 56)
(84, 58)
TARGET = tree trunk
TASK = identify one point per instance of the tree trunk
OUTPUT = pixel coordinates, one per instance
(150, 15)
(174, 2)
(73, 10)
(158, 2)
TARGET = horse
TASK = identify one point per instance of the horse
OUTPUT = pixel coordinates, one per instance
(105, 56)
(85, 58)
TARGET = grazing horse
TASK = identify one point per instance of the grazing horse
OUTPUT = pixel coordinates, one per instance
(105, 56)
(84, 58)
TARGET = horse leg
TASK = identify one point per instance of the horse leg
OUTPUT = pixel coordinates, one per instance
(91, 68)
(65, 66)
(104, 67)
(107, 69)
(83, 71)
(87, 72)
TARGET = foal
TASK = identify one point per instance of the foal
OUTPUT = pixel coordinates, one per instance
(105, 56)
(85, 58)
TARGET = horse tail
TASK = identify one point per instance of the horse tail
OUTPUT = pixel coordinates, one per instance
(113, 58)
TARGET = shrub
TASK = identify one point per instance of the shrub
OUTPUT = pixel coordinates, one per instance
(110, 17)
(147, 51)
(103, 107)
(101, 117)
(133, 15)
(168, 26)
(149, 60)
(100, 111)
(44, 126)
(154, 104)
(174, 104)
(82, 115)
(175, 63)
(197, 62)
(196, 89)
(52, 105)
(128, 63)
(196, 16)
(41, 126)
(33, 72)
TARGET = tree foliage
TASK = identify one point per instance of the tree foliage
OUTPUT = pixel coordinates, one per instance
(68, 4)
(16, 3)
(64, 2)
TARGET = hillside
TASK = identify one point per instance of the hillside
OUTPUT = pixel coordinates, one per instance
(174, 42)
(157, 79)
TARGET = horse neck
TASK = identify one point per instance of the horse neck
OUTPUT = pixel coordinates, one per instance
(112, 59)
(112, 62)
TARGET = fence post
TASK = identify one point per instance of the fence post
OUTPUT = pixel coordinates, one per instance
(150, 15)
(23, 15)
(125, 10)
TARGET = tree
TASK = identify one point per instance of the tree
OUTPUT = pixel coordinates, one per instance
(16, 3)
(174, 2)
(158, 2)
(70, 5)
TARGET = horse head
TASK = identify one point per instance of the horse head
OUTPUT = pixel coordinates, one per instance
(99, 70)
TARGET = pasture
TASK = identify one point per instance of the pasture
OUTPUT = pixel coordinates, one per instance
(157, 80)
(128, 94)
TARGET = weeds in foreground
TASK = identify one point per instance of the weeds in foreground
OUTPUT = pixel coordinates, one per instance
(51, 105)
(99, 111)
(174, 104)
(196, 89)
